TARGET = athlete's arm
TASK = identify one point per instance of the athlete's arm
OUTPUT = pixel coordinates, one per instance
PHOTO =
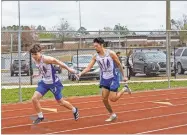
(116, 60)
(52, 60)
(88, 68)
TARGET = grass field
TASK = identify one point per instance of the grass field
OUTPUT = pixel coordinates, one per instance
(11, 95)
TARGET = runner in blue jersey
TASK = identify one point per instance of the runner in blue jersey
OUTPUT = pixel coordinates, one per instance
(49, 82)
(109, 81)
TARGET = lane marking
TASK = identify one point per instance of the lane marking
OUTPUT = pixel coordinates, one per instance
(165, 103)
(161, 129)
(99, 107)
(135, 120)
(54, 105)
(96, 115)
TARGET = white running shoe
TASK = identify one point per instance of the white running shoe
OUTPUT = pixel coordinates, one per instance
(111, 118)
(127, 89)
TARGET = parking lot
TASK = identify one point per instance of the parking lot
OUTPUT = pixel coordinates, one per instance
(6, 79)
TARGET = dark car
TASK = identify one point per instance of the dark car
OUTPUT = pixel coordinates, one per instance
(14, 69)
(150, 63)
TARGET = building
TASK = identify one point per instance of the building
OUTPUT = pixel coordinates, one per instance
(111, 40)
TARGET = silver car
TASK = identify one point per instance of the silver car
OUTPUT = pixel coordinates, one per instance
(181, 60)
(80, 63)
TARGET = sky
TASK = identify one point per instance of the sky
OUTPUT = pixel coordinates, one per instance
(95, 15)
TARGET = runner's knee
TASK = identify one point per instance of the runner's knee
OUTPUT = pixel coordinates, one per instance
(113, 99)
(34, 99)
(105, 99)
(60, 102)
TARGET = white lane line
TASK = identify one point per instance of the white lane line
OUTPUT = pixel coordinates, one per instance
(161, 129)
(120, 122)
(90, 116)
(96, 101)
(96, 107)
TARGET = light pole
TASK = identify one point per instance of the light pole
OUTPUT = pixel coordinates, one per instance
(80, 24)
(119, 45)
(168, 27)
(19, 52)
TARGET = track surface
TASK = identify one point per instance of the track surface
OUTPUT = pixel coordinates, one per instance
(138, 113)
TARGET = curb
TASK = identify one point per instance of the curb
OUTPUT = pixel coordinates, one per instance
(82, 84)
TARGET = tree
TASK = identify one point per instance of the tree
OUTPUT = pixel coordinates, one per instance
(83, 31)
(119, 27)
(64, 26)
(183, 35)
(3, 28)
(151, 33)
(107, 29)
(27, 38)
(9, 27)
(41, 27)
(134, 33)
(180, 24)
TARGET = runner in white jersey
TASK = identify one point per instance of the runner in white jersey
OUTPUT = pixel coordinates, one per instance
(47, 71)
(48, 82)
(109, 81)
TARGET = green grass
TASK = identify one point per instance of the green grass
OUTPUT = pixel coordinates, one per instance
(11, 95)
(46, 35)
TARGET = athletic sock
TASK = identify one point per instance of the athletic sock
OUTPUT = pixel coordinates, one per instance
(73, 109)
(113, 115)
(40, 115)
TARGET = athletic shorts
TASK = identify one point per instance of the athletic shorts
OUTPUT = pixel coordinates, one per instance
(111, 84)
(55, 88)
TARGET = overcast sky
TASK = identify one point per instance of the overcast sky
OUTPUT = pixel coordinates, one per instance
(142, 15)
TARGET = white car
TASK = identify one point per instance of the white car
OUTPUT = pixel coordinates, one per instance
(181, 60)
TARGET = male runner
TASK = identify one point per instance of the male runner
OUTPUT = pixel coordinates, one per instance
(49, 82)
(109, 81)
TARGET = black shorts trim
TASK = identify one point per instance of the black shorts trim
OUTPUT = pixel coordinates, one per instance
(108, 88)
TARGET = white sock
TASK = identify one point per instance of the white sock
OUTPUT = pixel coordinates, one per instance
(113, 115)
(73, 109)
(40, 115)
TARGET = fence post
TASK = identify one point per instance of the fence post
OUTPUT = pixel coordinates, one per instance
(78, 62)
(175, 64)
(31, 70)
(19, 54)
(11, 49)
(168, 42)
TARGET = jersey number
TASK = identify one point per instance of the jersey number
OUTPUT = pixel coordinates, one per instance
(104, 66)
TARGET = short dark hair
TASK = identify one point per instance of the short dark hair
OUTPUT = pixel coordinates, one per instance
(118, 52)
(35, 48)
(99, 40)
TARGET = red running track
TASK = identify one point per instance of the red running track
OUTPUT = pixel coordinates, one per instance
(138, 113)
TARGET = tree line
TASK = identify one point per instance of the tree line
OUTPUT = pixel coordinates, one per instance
(28, 38)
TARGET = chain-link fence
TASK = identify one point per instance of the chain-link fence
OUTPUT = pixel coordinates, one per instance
(143, 54)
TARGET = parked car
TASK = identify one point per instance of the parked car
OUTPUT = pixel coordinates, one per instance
(68, 63)
(181, 60)
(83, 61)
(150, 63)
(59, 70)
(14, 68)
